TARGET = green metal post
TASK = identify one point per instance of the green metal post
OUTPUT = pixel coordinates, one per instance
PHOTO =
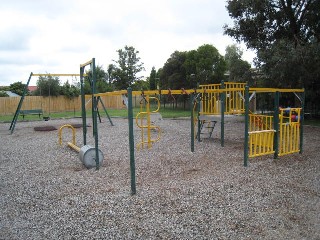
(131, 143)
(16, 115)
(192, 122)
(246, 131)
(105, 110)
(223, 100)
(94, 113)
(83, 107)
(302, 121)
(276, 124)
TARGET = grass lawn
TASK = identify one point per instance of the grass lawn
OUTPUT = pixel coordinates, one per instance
(165, 112)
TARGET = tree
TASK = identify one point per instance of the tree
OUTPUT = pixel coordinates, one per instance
(260, 23)
(70, 91)
(18, 88)
(110, 72)
(126, 68)
(140, 85)
(186, 69)
(210, 65)
(48, 86)
(286, 37)
(3, 94)
(102, 81)
(239, 70)
(173, 73)
(152, 79)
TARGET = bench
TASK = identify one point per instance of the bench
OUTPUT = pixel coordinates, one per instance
(31, 112)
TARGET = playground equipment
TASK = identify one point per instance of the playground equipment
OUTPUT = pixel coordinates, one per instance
(86, 153)
(289, 130)
(18, 110)
(143, 121)
(204, 124)
(233, 97)
(279, 134)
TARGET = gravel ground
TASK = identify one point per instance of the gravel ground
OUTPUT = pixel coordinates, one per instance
(46, 193)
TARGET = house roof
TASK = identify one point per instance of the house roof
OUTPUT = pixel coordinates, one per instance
(32, 88)
(11, 94)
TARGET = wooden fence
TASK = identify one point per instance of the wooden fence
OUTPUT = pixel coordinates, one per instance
(8, 105)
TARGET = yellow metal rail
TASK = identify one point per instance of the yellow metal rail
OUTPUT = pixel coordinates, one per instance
(289, 132)
(145, 115)
(261, 143)
(70, 144)
(261, 135)
(73, 133)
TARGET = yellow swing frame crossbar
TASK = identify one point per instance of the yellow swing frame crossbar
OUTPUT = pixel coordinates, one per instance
(140, 122)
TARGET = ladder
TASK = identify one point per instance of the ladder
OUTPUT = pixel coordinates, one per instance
(207, 125)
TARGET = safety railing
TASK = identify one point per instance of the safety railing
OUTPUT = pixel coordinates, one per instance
(289, 130)
(210, 102)
(261, 135)
(234, 98)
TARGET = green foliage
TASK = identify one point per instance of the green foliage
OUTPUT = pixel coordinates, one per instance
(173, 73)
(140, 85)
(186, 69)
(210, 65)
(286, 37)
(48, 86)
(152, 79)
(103, 83)
(70, 91)
(239, 70)
(260, 23)
(124, 72)
(3, 94)
(18, 88)
(4, 88)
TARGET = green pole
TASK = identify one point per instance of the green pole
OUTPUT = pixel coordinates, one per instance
(83, 107)
(94, 113)
(192, 122)
(105, 110)
(276, 125)
(223, 100)
(16, 115)
(131, 143)
(246, 131)
(302, 121)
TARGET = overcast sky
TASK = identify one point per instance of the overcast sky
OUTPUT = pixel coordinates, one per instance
(45, 36)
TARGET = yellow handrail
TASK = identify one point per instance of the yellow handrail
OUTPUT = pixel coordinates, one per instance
(73, 133)
(148, 126)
